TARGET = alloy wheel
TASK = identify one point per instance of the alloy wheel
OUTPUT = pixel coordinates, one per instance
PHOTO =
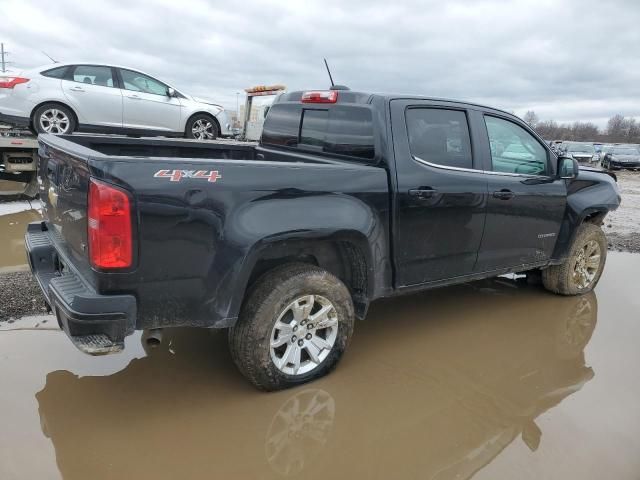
(587, 264)
(54, 121)
(203, 130)
(303, 335)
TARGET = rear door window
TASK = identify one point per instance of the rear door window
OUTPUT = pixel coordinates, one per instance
(439, 136)
(93, 75)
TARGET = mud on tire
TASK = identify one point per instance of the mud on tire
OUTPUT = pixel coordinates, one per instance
(250, 340)
(565, 279)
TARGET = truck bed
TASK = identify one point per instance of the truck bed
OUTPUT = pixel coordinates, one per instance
(117, 146)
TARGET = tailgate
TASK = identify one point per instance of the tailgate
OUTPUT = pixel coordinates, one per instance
(64, 179)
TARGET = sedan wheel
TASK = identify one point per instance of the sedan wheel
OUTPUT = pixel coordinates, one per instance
(203, 130)
(55, 121)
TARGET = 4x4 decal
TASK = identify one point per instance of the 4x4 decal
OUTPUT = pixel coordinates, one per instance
(177, 175)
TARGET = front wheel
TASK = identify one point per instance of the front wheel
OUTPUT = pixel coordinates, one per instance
(202, 127)
(294, 327)
(582, 269)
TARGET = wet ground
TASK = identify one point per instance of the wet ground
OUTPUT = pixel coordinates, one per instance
(14, 217)
(492, 380)
(19, 293)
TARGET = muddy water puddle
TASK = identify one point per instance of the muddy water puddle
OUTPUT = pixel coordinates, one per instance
(14, 217)
(493, 380)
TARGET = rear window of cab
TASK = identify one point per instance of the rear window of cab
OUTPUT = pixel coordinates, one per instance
(337, 130)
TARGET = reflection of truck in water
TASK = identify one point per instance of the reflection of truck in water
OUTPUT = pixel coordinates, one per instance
(461, 394)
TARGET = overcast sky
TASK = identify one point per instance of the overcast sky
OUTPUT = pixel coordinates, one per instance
(566, 59)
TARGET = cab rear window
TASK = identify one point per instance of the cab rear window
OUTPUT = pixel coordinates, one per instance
(338, 130)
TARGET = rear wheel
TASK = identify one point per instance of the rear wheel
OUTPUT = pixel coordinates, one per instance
(202, 127)
(53, 118)
(582, 269)
(294, 327)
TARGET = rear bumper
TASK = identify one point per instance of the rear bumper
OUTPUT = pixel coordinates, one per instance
(624, 164)
(14, 120)
(96, 324)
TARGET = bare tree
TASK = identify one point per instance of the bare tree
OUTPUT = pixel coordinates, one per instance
(548, 129)
(616, 128)
(619, 130)
(531, 118)
(584, 131)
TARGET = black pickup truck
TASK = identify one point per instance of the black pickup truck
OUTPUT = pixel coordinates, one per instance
(348, 197)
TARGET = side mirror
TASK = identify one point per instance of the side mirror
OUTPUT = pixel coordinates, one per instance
(568, 167)
(171, 92)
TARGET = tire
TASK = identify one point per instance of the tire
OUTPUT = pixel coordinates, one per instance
(202, 127)
(270, 304)
(62, 121)
(575, 276)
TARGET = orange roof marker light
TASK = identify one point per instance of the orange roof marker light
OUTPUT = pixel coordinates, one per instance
(264, 90)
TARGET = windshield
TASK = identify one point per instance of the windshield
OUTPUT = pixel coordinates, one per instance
(581, 148)
(625, 151)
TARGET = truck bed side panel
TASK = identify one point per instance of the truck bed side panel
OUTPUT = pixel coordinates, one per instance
(199, 240)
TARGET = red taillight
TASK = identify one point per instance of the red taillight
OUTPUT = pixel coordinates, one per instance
(10, 82)
(330, 96)
(109, 226)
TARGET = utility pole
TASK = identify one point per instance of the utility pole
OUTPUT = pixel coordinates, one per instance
(2, 54)
(237, 109)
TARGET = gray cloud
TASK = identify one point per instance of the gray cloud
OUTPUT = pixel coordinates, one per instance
(568, 60)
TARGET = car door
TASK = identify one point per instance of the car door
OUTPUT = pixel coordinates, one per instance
(526, 202)
(94, 95)
(147, 104)
(441, 192)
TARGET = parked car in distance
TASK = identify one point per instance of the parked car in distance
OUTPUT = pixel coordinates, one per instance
(619, 157)
(67, 97)
(582, 152)
(349, 197)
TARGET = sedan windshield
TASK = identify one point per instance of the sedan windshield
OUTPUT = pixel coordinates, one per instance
(625, 151)
(581, 149)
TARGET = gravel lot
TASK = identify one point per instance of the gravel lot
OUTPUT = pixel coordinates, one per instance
(27, 302)
(623, 226)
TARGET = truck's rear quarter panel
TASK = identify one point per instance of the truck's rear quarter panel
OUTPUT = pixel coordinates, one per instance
(198, 240)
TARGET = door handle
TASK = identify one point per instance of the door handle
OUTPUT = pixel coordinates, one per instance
(134, 97)
(422, 193)
(76, 89)
(504, 194)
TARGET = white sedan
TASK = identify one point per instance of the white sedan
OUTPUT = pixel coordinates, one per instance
(67, 97)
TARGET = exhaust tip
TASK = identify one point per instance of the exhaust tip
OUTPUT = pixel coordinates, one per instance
(154, 337)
